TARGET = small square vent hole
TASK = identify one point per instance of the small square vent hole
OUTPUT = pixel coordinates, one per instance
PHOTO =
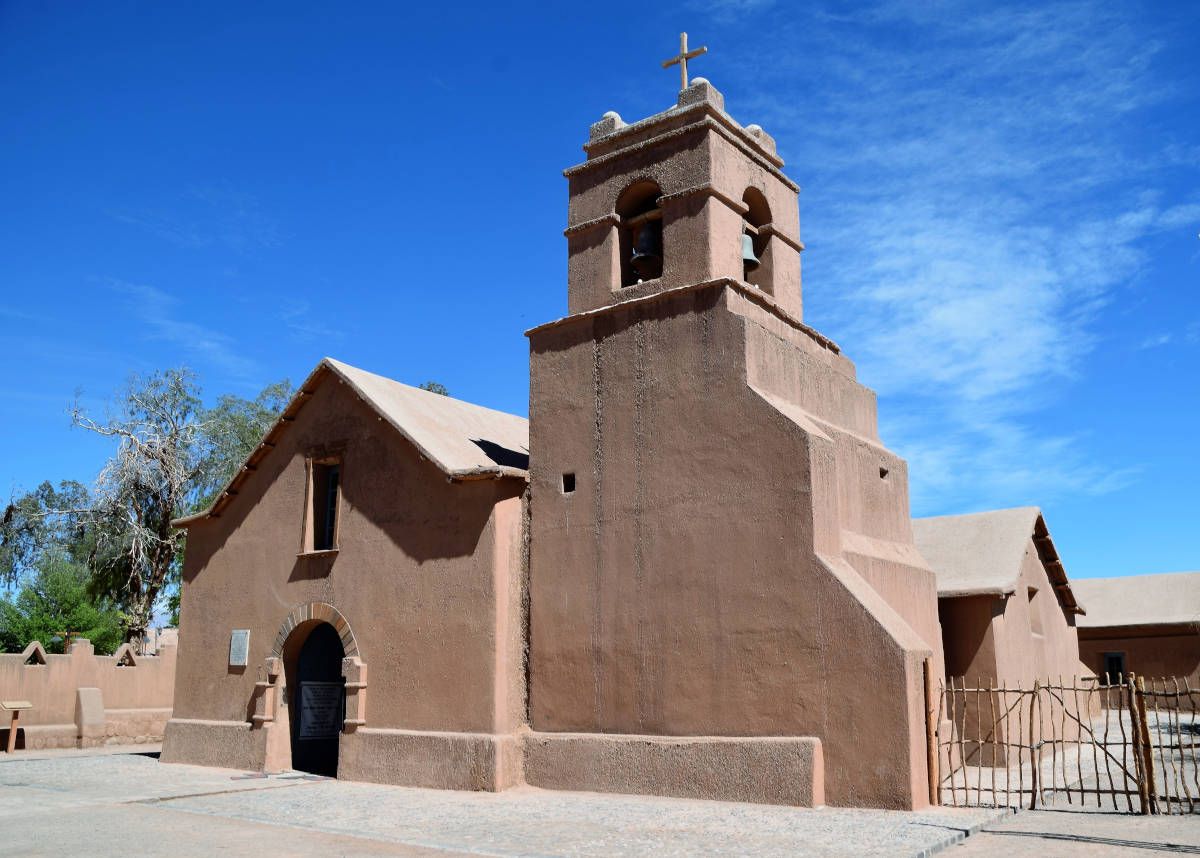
(568, 483)
(883, 472)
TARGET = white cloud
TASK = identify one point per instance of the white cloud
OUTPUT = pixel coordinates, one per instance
(206, 217)
(159, 315)
(304, 326)
(1155, 341)
(971, 206)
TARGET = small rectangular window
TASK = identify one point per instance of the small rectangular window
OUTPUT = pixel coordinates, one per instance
(568, 483)
(323, 494)
(1114, 665)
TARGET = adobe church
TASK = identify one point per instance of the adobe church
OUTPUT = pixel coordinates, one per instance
(691, 573)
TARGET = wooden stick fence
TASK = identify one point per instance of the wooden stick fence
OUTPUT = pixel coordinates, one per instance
(1102, 739)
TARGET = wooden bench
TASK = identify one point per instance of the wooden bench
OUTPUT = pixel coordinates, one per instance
(15, 707)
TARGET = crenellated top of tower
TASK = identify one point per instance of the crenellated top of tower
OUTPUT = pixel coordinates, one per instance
(701, 99)
(682, 197)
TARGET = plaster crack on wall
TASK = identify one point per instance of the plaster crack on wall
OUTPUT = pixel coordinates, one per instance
(597, 523)
(639, 505)
(526, 527)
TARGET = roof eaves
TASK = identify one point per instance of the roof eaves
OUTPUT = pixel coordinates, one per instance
(329, 366)
(961, 592)
(1053, 565)
(288, 415)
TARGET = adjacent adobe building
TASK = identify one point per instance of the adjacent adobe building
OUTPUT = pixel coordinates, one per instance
(1143, 624)
(1007, 610)
(377, 525)
(723, 595)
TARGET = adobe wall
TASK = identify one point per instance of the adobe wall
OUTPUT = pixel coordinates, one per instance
(996, 637)
(787, 365)
(1151, 651)
(990, 641)
(968, 636)
(1022, 653)
(697, 582)
(125, 704)
(426, 576)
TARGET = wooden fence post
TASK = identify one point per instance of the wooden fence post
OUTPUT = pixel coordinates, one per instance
(1147, 750)
(931, 737)
(1035, 754)
(1139, 757)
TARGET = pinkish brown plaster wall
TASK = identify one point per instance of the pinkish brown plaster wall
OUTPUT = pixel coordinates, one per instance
(1151, 651)
(696, 583)
(968, 636)
(703, 162)
(134, 701)
(1014, 641)
(1013, 638)
(425, 575)
(1036, 638)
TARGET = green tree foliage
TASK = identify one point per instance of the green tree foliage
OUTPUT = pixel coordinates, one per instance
(232, 429)
(42, 521)
(54, 599)
(173, 458)
(435, 387)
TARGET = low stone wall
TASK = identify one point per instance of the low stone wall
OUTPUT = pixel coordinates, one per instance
(83, 700)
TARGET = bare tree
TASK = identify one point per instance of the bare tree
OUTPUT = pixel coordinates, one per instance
(148, 482)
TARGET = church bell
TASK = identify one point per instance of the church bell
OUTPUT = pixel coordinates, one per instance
(647, 251)
(749, 260)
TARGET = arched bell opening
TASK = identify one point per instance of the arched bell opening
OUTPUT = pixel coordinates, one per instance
(756, 242)
(316, 696)
(640, 233)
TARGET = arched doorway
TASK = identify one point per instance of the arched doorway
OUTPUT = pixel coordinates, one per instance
(318, 701)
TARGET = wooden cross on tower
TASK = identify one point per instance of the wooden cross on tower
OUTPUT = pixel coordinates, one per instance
(681, 60)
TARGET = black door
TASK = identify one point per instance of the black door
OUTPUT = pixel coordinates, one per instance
(319, 703)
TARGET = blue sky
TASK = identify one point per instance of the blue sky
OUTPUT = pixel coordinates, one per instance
(1001, 204)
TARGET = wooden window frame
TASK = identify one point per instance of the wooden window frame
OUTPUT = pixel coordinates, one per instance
(308, 534)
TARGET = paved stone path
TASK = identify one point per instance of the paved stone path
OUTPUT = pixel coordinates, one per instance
(129, 804)
(1040, 834)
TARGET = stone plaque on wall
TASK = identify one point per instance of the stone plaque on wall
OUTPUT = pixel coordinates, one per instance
(321, 710)
(239, 647)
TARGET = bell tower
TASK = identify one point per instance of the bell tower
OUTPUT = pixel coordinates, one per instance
(721, 559)
(684, 197)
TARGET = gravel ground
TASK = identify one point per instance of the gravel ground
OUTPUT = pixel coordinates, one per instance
(131, 804)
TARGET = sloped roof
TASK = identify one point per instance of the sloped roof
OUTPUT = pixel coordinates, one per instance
(1141, 600)
(980, 553)
(467, 442)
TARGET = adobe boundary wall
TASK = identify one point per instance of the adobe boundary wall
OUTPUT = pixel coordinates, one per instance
(84, 700)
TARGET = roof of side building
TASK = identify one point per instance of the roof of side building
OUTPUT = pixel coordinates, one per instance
(980, 553)
(465, 441)
(1141, 600)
